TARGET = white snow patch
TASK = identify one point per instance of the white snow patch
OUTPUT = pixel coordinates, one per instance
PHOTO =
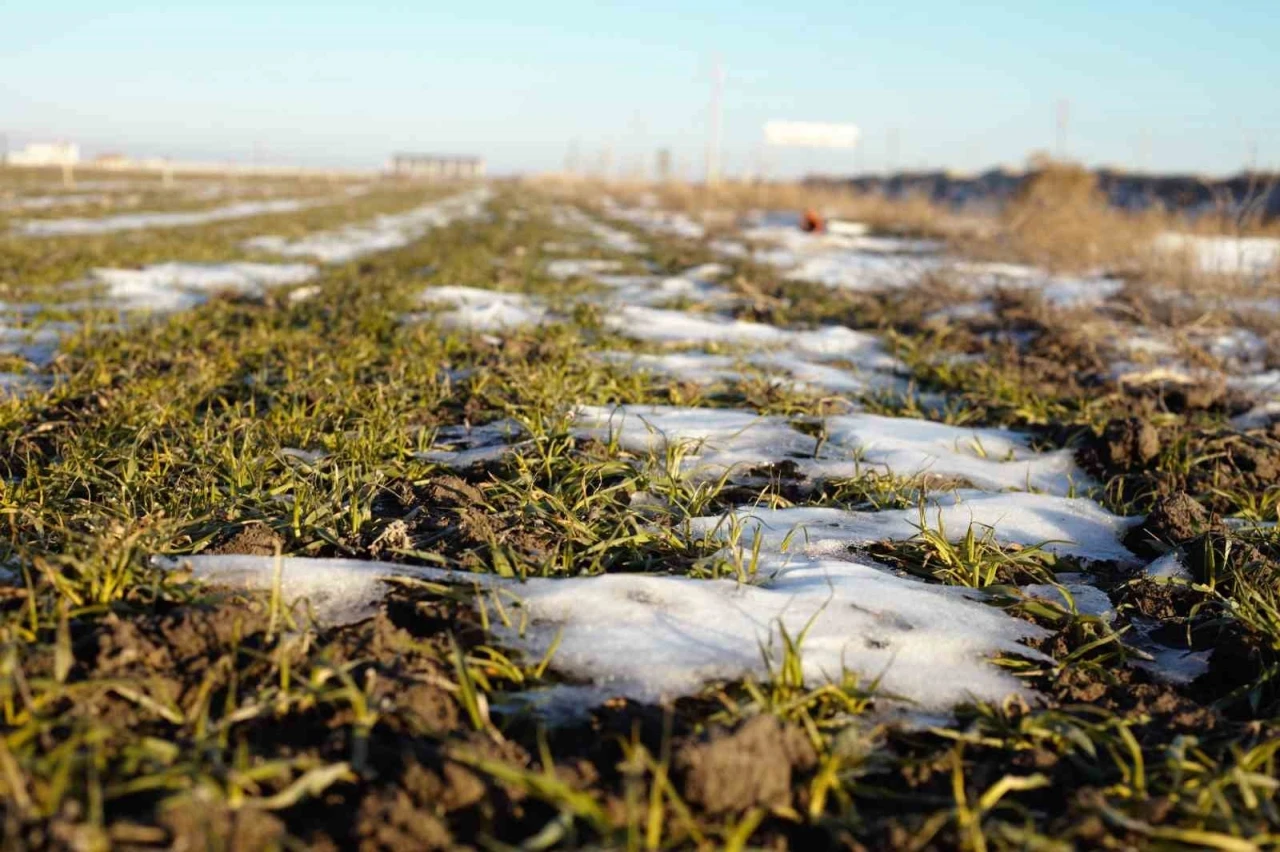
(655, 221)
(1171, 566)
(704, 368)
(1258, 417)
(1067, 526)
(482, 310)
(604, 235)
(867, 273)
(37, 345)
(696, 284)
(659, 637)
(1058, 291)
(1248, 256)
(463, 446)
(581, 267)
(720, 440)
(1081, 598)
(383, 233)
(165, 287)
(681, 327)
(140, 221)
(47, 202)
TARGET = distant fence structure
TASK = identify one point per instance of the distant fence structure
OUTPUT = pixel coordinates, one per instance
(436, 167)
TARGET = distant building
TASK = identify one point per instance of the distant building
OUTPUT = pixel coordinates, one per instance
(45, 154)
(112, 161)
(436, 167)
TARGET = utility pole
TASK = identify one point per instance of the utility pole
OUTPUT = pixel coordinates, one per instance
(1064, 118)
(713, 130)
(891, 151)
(572, 158)
(1144, 150)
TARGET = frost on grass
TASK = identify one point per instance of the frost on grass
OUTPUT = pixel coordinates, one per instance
(719, 440)
(659, 637)
(79, 226)
(1063, 525)
(383, 233)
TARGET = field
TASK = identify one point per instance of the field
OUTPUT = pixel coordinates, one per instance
(555, 515)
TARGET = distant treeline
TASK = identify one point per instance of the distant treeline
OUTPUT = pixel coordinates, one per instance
(1246, 194)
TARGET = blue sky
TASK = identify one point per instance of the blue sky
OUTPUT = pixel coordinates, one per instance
(1171, 86)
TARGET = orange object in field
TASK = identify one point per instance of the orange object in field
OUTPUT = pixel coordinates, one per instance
(812, 221)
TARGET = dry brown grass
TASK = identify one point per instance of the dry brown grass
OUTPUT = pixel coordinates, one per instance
(724, 202)
(1060, 221)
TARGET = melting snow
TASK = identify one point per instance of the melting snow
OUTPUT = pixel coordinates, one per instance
(37, 345)
(658, 221)
(140, 221)
(703, 368)
(463, 446)
(1067, 526)
(1171, 566)
(165, 287)
(385, 232)
(46, 202)
(719, 440)
(581, 268)
(1249, 256)
(657, 637)
(482, 310)
(604, 235)
(1083, 598)
(669, 326)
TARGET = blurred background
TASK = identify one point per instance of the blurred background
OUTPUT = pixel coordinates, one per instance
(658, 90)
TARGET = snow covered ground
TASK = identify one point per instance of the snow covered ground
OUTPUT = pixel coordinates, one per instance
(382, 233)
(163, 288)
(656, 637)
(1251, 257)
(81, 226)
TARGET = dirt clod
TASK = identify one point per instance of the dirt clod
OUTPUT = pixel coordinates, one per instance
(747, 768)
(1173, 520)
(252, 540)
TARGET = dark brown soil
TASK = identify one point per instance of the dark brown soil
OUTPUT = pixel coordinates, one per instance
(749, 767)
(1125, 444)
(1172, 521)
(254, 539)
